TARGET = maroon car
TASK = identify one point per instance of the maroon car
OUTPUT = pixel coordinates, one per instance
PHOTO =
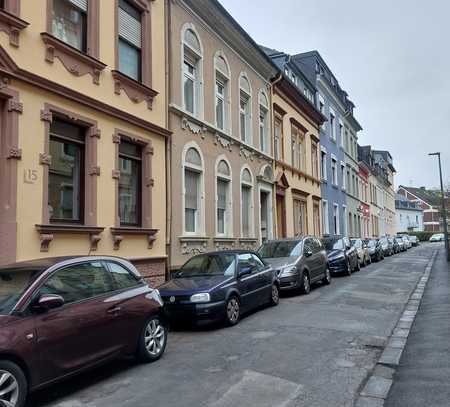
(59, 316)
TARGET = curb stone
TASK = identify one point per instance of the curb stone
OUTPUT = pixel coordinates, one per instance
(378, 384)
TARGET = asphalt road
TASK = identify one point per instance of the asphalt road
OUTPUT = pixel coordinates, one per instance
(314, 351)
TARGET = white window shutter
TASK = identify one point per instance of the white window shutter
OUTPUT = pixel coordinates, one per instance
(130, 28)
(81, 4)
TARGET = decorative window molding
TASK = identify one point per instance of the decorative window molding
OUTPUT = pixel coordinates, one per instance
(10, 23)
(136, 91)
(192, 245)
(145, 227)
(10, 154)
(223, 172)
(77, 62)
(92, 134)
(264, 122)
(222, 75)
(245, 109)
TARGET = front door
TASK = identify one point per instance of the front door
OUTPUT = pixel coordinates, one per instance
(82, 331)
(264, 201)
(281, 216)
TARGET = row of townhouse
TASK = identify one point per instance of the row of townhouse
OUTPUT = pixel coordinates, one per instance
(158, 129)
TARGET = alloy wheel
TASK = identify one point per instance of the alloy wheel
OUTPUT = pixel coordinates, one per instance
(155, 337)
(306, 284)
(9, 389)
(233, 310)
(275, 295)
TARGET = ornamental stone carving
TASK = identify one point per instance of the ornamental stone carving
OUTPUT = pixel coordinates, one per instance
(246, 153)
(225, 143)
(193, 247)
(45, 159)
(195, 128)
(15, 153)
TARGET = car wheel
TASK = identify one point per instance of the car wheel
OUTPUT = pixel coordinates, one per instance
(349, 268)
(358, 266)
(13, 385)
(327, 279)
(232, 311)
(153, 340)
(275, 295)
(306, 284)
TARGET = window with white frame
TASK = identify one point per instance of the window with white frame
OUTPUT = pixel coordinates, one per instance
(246, 203)
(334, 175)
(193, 191)
(222, 93)
(323, 164)
(344, 217)
(341, 133)
(263, 122)
(278, 131)
(344, 184)
(245, 106)
(325, 218)
(192, 73)
(224, 220)
(335, 219)
(332, 125)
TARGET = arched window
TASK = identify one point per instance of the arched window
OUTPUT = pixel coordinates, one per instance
(264, 144)
(193, 191)
(192, 71)
(246, 203)
(245, 108)
(224, 219)
(222, 92)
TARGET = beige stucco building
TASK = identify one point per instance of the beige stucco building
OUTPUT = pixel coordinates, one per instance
(221, 175)
(296, 137)
(82, 142)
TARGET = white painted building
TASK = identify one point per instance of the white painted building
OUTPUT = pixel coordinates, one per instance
(409, 215)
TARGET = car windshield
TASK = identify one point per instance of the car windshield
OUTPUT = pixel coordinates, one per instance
(333, 244)
(357, 243)
(13, 283)
(399, 239)
(277, 249)
(208, 265)
(383, 240)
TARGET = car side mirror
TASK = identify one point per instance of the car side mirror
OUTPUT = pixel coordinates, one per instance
(308, 253)
(49, 301)
(245, 271)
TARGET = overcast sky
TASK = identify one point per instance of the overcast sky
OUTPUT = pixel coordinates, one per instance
(393, 59)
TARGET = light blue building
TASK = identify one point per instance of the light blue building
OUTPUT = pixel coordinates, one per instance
(334, 104)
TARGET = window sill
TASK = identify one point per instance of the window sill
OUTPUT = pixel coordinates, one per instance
(119, 232)
(76, 62)
(136, 91)
(47, 231)
(12, 25)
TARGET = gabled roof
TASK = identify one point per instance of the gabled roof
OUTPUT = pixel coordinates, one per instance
(432, 198)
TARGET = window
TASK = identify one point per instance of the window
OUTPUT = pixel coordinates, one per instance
(314, 160)
(332, 126)
(344, 184)
(300, 217)
(66, 172)
(246, 203)
(79, 282)
(130, 40)
(335, 219)
(277, 138)
(192, 72)
(69, 22)
(344, 224)
(222, 93)
(301, 151)
(122, 277)
(130, 182)
(323, 164)
(349, 185)
(224, 202)
(325, 224)
(263, 122)
(334, 175)
(341, 133)
(193, 191)
(316, 218)
(245, 109)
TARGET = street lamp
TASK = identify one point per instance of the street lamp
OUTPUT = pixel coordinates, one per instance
(444, 209)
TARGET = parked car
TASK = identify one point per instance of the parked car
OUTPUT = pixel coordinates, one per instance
(386, 246)
(414, 240)
(401, 244)
(375, 250)
(299, 263)
(59, 316)
(342, 256)
(395, 245)
(219, 286)
(362, 250)
(408, 243)
(437, 237)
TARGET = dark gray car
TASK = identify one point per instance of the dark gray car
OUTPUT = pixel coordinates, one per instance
(299, 262)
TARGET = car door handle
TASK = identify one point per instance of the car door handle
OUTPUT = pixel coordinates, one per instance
(114, 310)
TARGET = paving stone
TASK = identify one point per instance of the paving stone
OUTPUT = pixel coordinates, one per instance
(391, 356)
(395, 342)
(377, 387)
(384, 371)
(369, 402)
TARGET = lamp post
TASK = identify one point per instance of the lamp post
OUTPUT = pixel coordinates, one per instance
(444, 209)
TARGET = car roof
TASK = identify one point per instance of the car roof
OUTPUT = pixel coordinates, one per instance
(289, 239)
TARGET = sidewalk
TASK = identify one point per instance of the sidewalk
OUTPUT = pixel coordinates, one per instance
(423, 377)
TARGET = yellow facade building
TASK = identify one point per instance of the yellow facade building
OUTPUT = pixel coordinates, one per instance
(84, 130)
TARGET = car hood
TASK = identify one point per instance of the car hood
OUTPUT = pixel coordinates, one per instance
(187, 285)
(334, 253)
(279, 262)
